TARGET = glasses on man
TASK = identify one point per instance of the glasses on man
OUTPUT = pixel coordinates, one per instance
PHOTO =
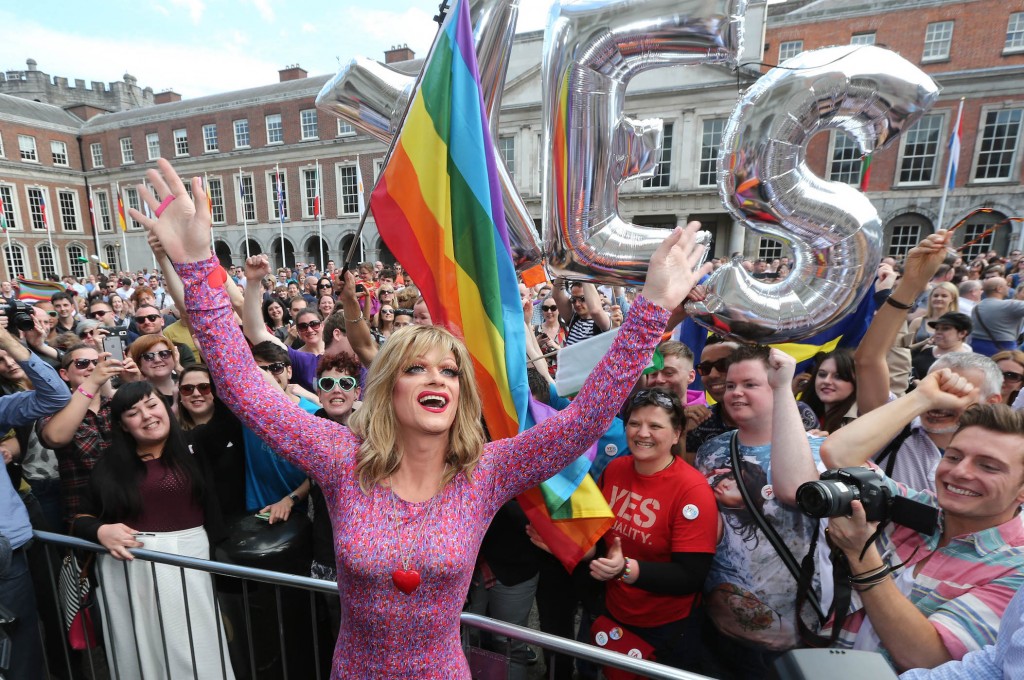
(147, 317)
(306, 325)
(51, 312)
(549, 308)
(151, 356)
(276, 368)
(98, 314)
(721, 365)
(347, 383)
(82, 364)
(659, 398)
(1013, 376)
(577, 299)
(187, 390)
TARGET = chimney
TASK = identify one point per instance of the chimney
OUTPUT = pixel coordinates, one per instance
(398, 53)
(292, 72)
(166, 97)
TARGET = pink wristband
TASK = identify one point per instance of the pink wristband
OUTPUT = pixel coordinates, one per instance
(82, 390)
(163, 205)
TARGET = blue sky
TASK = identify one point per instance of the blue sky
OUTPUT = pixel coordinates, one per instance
(199, 47)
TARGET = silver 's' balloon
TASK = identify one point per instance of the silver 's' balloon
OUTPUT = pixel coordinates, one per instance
(870, 93)
(591, 51)
(372, 98)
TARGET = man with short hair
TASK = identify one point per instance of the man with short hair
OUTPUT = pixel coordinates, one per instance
(67, 313)
(149, 321)
(956, 579)
(581, 310)
(970, 295)
(125, 289)
(997, 321)
(751, 594)
(676, 373)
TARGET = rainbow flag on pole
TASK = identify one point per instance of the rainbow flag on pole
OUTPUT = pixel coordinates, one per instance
(439, 209)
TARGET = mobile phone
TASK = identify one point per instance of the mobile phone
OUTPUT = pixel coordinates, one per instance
(113, 344)
(265, 516)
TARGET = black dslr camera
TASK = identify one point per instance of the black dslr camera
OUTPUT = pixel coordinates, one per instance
(832, 494)
(19, 315)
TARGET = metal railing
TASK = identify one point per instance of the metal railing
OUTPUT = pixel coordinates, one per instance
(249, 578)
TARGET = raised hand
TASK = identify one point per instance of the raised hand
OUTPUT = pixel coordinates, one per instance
(924, 259)
(947, 390)
(781, 367)
(182, 229)
(671, 276)
(257, 268)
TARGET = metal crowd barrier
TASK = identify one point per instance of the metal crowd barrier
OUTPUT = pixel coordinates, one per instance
(249, 579)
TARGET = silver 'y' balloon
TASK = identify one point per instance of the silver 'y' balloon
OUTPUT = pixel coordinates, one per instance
(871, 94)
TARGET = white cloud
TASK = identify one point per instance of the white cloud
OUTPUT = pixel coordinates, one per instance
(309, 28)
(413, 27)
(263, 7)
(160, 9)
(195, 8)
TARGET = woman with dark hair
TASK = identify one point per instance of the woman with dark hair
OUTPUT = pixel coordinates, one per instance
(276, 318)
(308, 326)
(149, 484)
(834, 391)
(410, 483)
(325, 305)
(659, 551)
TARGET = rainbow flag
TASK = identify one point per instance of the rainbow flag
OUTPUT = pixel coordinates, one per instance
(31, 290)
(439, 210)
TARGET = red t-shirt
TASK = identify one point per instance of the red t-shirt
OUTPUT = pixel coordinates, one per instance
(655, 516)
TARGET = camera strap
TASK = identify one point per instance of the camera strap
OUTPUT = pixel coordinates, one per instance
(888, 454)
(771, 534)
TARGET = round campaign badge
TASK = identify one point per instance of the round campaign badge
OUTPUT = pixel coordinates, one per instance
(691, 511)
(601, 639)
(635, 653)
(767, 492)
(610, 450)
(615, 633)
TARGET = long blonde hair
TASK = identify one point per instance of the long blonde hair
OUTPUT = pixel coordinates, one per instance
(954, 303)
(375, 421)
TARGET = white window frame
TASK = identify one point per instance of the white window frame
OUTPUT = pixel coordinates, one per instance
(789, 49)
(274, 125)
(180, 143)
(236, 127)
(153, 146)
(127, 151)
(210, 143)
(131, 200)
(507, 150)
(74, 224)
(112, 256)
(272, 196)
(215, 190)
(27, 149)
(940, 121)
(348, 191)
(104, 215)
(938, 39)
(1014, 42)
(345, 129)
(769, 249)
(1014, 171)
(96, 154)
(863, 38)
(35, 212)
(77, 269)
(309, 123)
(245, 198)
(16, 251)
(10, 202)
(2, 153)
(44, 272)
(308, 198)
(709, 150)
(662, 178)
(902, 243)
(378, 167)
(59, 153)
(843, 176)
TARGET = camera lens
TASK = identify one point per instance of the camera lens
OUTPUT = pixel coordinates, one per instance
(825, 498)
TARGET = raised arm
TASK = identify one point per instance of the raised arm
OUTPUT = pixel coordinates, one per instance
(597, 313)
(561, 299)
(870, 357)
(256, 268)
(534, 455)
(309, 442)
(357, 328)
(792, 463)
(857, 442)
(50, 393)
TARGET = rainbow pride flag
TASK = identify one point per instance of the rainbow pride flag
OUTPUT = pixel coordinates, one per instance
(438, 207)
(30, 290)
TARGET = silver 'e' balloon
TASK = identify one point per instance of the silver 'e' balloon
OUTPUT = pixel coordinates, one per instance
(592, 49)
(871, 94)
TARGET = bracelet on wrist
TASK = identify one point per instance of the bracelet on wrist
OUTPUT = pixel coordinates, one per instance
(626, 571)
(899, 305)
(361, 318)
(82, 390)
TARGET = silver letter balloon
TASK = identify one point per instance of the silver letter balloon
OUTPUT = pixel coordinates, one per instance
(871, 94)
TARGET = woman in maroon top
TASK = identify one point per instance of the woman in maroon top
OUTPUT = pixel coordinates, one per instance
(149, 486)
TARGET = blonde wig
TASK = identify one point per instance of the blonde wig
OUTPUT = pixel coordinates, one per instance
(376, 422)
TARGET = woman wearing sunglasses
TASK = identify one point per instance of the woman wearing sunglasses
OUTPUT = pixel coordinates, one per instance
(410, 484)
(386, 326)
(214, 430)
(308, 323)
(654, 561)
(1011, 363)
(157, 359)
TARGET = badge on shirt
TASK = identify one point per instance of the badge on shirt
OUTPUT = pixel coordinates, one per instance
(767, 492)
(610, 450)
(691, 511)
(601, 638)
(635, 653)
(615, 633)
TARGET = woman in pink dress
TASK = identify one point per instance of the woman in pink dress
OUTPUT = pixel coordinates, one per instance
(410, 484)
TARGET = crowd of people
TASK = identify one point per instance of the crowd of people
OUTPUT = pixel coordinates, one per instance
(330, 395)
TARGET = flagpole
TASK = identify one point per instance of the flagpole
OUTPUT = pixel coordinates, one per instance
(7, 233)
(49, 237)
(319, 218)
(951, 163)
(124, 235)
(245, 222)
(280, 211)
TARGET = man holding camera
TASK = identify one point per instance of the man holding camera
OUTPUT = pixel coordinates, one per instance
(926, 598)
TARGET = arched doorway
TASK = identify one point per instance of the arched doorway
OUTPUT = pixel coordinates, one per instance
(317, 252)
(223, 252)
(383, 254)
(252, 247)
(346, 243)
(287, 259)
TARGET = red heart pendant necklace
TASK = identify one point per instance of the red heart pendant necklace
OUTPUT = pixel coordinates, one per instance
(407, 579)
